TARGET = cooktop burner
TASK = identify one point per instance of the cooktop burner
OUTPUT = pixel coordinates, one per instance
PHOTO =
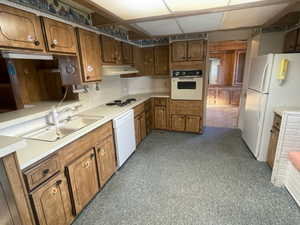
(120, 102)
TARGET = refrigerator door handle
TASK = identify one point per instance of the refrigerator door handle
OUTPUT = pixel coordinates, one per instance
(264, 78)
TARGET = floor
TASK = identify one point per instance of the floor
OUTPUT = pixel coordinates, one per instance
(188, 179)
(222, 116)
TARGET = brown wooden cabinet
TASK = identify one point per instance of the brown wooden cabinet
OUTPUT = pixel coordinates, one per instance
(52, 202)
(83, 179)
(60, 37)
(140, 123)
(224, 95)
(178, 122)
(19, 29)
(273, 140)
(193, 124)
(90, 55)
(148, 61)
(108, 47)
(148, 116)
(138, 59)
(161, 54)
(183, 51)
(106, 159)
(160, 117)
(179, 51)
(291, 41)
(127, 54)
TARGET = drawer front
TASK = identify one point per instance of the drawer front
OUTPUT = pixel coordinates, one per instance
(41, 172)
(139, 109)
(160, 101)
(186, 107)
(277, 121)
(83, 144)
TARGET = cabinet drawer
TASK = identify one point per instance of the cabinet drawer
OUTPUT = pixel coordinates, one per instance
(139, 109)
(41, 172)
(160, 101)
(186, 107)
(277, 121)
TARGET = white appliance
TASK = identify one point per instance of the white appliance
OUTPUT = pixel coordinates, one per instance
(265, 92)
(187, 84)
(124, 136)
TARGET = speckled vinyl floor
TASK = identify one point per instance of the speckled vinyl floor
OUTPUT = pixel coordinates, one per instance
(188, 179)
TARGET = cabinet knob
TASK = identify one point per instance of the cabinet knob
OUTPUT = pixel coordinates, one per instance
(36, 43)
(90, 68)
(88, 77)
(54, 43)
(45, 172)
(58, 182)
(54, 191)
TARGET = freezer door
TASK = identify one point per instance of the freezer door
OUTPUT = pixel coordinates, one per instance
(254, 119)
(260, 73)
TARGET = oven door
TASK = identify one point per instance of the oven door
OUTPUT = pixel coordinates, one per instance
(187, 88)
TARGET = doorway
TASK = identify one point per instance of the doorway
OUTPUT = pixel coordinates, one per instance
(226, 71)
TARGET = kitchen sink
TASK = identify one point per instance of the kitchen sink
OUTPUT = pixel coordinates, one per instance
(66, 127)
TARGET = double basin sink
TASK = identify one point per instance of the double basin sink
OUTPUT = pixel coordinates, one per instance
(51, 133)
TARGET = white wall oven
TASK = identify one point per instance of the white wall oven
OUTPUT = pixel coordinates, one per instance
(187, 84)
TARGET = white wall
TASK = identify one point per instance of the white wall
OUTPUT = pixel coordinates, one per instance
(147, 84)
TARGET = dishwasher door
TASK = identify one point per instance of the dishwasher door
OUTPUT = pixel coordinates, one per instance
(124, 136)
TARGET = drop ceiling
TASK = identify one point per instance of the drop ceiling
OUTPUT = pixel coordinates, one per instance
(166, 17)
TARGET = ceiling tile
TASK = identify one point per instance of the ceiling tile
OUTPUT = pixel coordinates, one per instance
(191, 5)
(200, 23)
(133, 9)
(237, 2)
(251, 17)
(160, 27)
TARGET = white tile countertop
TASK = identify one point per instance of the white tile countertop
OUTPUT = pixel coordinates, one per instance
(10, 144)
(281, 110)
(36, 150)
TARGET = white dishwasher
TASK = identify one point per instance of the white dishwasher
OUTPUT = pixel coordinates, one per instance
(124, 136)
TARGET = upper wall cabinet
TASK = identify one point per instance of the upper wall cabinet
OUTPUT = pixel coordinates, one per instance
(127, 53)
(183, 51)
(292, 42)
(148, 61)
(138, 59)
(19, 29)
(90, 55)
(60, 37)
(108, 49)
(161, 54)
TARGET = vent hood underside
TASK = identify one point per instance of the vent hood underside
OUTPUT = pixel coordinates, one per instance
(115, 70)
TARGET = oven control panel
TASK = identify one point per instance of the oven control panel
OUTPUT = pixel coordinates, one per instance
(187, 73)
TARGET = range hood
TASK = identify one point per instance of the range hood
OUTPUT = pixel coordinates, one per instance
(16, 55)
(116, 70)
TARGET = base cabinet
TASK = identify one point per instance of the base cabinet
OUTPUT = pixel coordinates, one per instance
(140, 127)
(178, 122)
(52, 202)
(193, 124)
(160, 117)
(83, 179)
(106, 160)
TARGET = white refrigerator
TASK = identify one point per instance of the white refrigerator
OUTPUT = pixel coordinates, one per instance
(265, 92)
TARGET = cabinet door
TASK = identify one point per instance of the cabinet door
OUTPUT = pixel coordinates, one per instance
(211, 96)
(19, 29)
(138, 59)
(60, 37)
(223, 97)
(160, 117)
(196, 50)
(52, 202)
(106, 159)
(127, 53)
(148, 61)
(272, 146)
(137, 127)
(290, 42)
(118, 53)
(193, 124)
(178, 122)
(161, 60)
(108, 47)
(143, 125)
(83, 178)
(90, 55)
(235, 97)
(179, 51)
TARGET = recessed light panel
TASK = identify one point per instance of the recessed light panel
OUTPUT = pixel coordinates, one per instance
(133, 9)
(160, 27)
(251, 17)
(190, 5)
(206, 22)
